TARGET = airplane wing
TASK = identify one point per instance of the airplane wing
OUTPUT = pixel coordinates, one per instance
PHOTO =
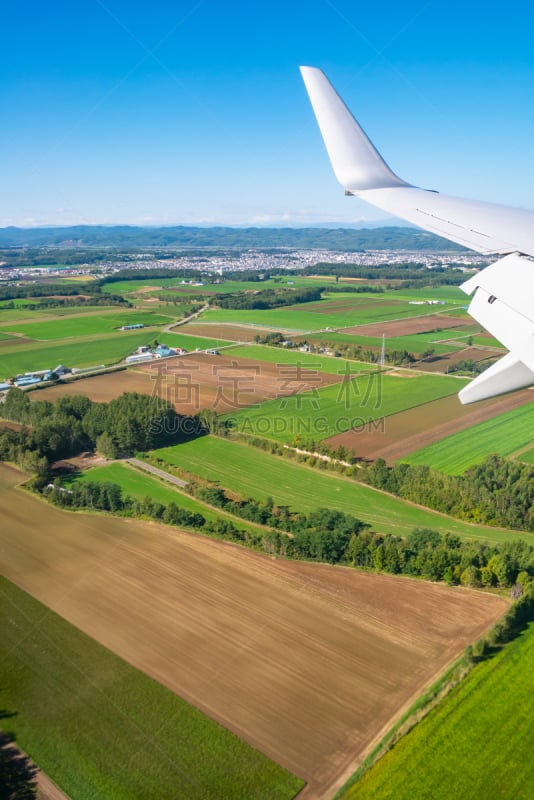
(503, 293)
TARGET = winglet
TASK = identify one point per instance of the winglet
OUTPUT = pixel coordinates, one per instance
(356, 162)
(506, 375)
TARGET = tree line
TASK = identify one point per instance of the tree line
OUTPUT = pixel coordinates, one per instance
(268, 298)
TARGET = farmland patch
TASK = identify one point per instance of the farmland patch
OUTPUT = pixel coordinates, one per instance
(308, 673)
(422, 324)
(353, 402)
(102, 729)
(450, 754)
(502, 434)
(410, 430)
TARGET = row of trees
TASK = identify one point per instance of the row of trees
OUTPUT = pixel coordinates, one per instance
(75, 301)
(268, 298)
(336, 537)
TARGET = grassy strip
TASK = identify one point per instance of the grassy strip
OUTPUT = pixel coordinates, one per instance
(475, 744)
(90, 324)
(503, 434)
(102, 729)
(258, 474)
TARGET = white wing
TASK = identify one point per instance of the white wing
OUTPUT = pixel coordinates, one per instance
(503, 293)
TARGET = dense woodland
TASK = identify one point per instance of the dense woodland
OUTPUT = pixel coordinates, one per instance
(496, 492)
(75, 424)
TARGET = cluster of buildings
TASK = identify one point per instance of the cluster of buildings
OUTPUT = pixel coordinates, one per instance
(38, 376)
(146, 353)
(253, 259)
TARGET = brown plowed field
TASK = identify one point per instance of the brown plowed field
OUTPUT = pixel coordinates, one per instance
(232, 333)
(306, 662)
(404, 327)
(197, 381)
(403, 433)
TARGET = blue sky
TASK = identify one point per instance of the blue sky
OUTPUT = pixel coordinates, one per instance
(194, 111)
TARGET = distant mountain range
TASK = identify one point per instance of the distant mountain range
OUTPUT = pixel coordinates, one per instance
(132, 237)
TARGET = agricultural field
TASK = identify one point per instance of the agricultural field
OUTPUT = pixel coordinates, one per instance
(79, 352)
(448, 294)
(408, 431)
(176, 338)
(417, 344)
(100, 728)
(284, 672)
(503, 434)
(140, 484)
(255, 473)
(343, 311)
(352, 403)
(233, 333)
(279, 355)
(448, 362)
(88, 325)
(440, 324)
(479, 738)
(225, 383)
(191, 383)
(172, 287)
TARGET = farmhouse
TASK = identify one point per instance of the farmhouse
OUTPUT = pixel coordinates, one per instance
(162, 351)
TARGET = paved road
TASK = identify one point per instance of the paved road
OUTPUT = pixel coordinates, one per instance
(135, 462)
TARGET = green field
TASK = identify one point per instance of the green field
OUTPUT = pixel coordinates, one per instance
(163, 286)
(89, 325)
(448, 294)
(140, 484)
(103, 730)
(255, 473)
(360, 310)
(476, 744)
(503, 435)
(487, 341)
(321, 413)
(79, 352)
